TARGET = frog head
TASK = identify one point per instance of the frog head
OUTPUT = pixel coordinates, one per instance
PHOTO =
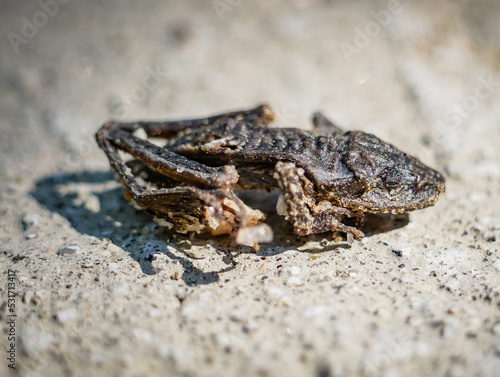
(385, 179)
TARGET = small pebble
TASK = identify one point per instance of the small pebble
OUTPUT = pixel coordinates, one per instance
(68, 250)
(28, 296)
(198, 251)
(236, 315)
(352, 272)
(118, 289)
(31, 236)
(496, 328)
(496, 349)
(289, 271)
(294, 281)
(273, 292)
(35, 341)
(30, 219)
(314, 311)
(65, 315)
(496, 264)
(142, 336)
(113, 268)
(92, 204)
(182, 292)
(401, 250)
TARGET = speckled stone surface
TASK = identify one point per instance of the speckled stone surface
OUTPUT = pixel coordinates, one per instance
(101, 290)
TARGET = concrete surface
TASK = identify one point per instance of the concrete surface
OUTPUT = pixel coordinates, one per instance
(100, 289)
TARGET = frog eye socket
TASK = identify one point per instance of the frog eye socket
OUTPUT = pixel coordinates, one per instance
(396, 189)
(392, 181)
(392, 185)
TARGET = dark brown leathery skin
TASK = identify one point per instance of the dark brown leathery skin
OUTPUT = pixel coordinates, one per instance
(337, 173)
(337, 165)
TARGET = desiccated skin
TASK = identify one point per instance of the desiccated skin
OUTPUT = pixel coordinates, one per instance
(325, 175)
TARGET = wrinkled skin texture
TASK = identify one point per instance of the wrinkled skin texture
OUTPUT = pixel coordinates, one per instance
(324, 175)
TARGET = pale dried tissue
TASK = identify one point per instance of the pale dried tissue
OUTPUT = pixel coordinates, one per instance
(253, 233)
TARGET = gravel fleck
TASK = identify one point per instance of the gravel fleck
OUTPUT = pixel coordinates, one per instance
(113, 268)
(119, 288)
(30, 219)
(68, 250)
(141, 335)
(496, 264)
(65, 315)
(35, 341)
(496, 328)
(294, 281)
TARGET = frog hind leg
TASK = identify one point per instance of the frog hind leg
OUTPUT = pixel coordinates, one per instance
(322, 126)
(261, 115)
(206, 196)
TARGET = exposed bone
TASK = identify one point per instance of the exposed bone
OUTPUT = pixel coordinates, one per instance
(254, 234)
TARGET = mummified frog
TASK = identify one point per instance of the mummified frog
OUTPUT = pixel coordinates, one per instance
(325, 175)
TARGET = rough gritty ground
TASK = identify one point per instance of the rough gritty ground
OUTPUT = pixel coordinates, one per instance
(101, 290)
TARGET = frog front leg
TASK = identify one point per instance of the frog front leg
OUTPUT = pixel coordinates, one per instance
(307, 216)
